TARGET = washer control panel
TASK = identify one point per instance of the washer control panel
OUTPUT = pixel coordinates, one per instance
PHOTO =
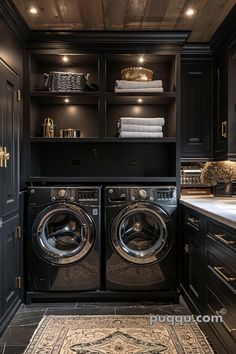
(159, 194)
(74, 194)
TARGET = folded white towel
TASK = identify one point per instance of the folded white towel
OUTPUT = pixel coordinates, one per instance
(125, 84)
(141, 135)
(139, 128)
(151, 89)
(142, 121)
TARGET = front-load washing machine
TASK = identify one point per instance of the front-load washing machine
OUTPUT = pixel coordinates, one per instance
(63, 239)
(140, 238)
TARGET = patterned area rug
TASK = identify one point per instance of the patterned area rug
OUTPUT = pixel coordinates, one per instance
(115, 335)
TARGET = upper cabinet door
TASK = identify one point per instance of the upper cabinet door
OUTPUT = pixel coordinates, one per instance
(9, 132)
(220, 108)
(196, 109)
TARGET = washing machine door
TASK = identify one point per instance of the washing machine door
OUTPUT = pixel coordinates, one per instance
(142, 233)
(63, 233)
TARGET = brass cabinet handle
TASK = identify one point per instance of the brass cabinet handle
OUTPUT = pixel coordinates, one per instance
(1, 156)
(193, 220)
(224, 129)
(230, 330)
(6, 156)
(187, 248)
(220, 271)
(221, 237)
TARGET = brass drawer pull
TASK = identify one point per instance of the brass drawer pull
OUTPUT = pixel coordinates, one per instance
(230, 330)
(224, 129)
(193, 220)
(219, 270)
(221, 237)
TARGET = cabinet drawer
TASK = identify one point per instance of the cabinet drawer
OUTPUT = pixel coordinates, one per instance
(222, 265)
(226, 237)
(221, 301)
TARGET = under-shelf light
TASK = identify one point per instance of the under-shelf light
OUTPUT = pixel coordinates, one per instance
(66, 100)
(65, 59)
(140, 100)
(141, 59)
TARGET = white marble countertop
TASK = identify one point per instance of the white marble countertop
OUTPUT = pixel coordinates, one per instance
(218, 208)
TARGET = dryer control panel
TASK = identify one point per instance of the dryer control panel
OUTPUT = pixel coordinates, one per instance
(156, 194)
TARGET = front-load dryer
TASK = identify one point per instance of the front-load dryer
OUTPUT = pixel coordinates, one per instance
(63, 239)
(140, 238)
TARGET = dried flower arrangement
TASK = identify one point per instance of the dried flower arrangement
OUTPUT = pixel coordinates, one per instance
(220, 171)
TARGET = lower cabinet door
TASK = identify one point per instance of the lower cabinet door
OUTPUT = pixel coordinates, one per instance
(10, 263)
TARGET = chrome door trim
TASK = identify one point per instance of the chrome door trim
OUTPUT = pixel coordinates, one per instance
(167, 234)
(45, 251)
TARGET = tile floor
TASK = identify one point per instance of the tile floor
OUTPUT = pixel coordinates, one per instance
(18, 334)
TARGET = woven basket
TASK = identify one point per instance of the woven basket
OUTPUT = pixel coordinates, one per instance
(59, 81)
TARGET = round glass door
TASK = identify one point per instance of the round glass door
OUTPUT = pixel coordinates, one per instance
(142, 233)
(63, 233)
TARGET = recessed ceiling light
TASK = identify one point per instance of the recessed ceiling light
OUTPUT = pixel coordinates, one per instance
(66, 100)
(140, 100)
(141, 59)
(190, 12)
(65, 59)
(33, 10)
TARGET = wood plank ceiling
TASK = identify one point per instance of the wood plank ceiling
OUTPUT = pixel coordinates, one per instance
(125, 15)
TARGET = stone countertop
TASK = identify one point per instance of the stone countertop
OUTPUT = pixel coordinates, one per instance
(218, 208)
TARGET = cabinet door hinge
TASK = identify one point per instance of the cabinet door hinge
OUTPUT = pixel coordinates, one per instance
(18, 232)
(18, 95)
(18, 282)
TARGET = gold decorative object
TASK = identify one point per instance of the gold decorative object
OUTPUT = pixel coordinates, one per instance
(69, 133)
(48, 128)
(137, 73)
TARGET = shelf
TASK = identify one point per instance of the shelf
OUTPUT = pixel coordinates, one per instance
(102, 140)
(62, 94)
(148, 98)
(104, 179)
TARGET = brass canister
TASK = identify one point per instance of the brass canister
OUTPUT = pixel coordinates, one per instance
(48, 128)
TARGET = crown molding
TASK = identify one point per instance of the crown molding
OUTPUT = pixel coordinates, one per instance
(104, 38)
(11, 17)
(199, 51)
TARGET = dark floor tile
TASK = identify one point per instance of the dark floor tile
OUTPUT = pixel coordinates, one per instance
(14, 349)
(104, 304)
(18, 336)
(45, 305)
(82, 311)
(27, 318)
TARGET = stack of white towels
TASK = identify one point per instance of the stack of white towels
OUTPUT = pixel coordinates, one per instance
(138, 86)
(131, 127)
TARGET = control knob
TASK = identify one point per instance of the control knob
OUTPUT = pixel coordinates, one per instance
(142, 193)
(53, 199)
(62, 193)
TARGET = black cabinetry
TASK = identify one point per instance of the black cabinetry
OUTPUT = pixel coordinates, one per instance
(208, 277)
(9, 193)
(196, 109)
(99, 154)
(192, 262)
(224, 105)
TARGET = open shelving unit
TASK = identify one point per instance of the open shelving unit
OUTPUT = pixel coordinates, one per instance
(99, 155)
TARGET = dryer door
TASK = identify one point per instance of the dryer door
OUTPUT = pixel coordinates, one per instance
(63, 233)
(142, 233)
